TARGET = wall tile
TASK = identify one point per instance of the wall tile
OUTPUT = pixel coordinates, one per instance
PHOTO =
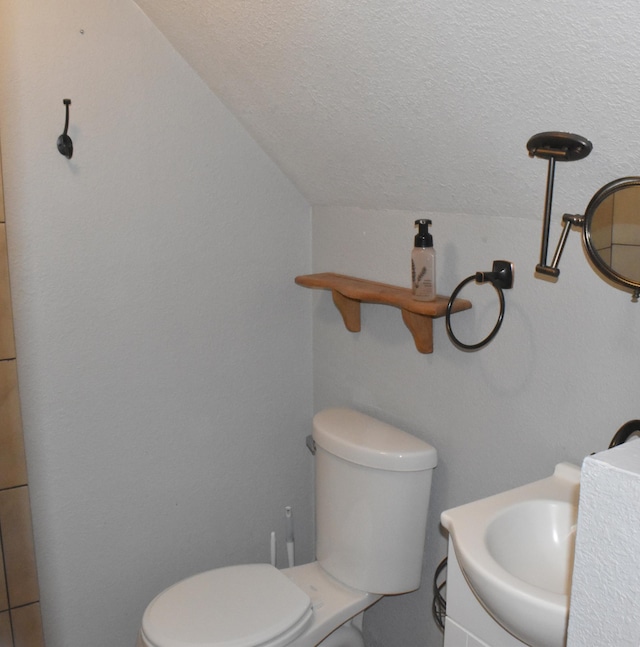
(6, 638)
(17, 541)
(1, 195)
(7, 346)
(22, 626)
(4, 601)
(27, 626)
(13, 470)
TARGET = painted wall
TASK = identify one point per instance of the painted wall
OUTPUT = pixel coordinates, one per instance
(165, 352)
(555, 384)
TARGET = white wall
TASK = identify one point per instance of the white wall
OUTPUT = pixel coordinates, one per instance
(164, 350)
(555, 384)
(604, 596)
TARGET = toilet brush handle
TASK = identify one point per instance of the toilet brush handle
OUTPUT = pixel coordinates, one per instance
(290, 554)
(273, 548)
(289, 538)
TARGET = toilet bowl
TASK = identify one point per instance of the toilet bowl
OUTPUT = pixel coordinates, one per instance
(256, 605)
(373, 484)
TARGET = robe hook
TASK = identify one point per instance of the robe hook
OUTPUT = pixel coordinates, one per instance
(65, 145)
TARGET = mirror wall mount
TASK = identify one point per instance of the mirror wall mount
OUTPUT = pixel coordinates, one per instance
(555, 147)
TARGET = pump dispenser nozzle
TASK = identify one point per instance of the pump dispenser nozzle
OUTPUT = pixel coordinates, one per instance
(423, 237)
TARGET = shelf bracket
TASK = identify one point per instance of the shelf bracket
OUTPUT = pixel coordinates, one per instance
(421, 327)
(349, 309)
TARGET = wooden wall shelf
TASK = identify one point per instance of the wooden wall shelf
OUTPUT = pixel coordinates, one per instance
(348, 292)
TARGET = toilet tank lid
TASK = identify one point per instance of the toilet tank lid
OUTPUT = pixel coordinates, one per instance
(361, 439)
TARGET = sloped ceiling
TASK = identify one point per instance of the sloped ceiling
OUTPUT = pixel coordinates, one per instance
(421, 104)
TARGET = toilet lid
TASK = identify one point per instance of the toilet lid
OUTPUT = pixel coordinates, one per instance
(236, 606)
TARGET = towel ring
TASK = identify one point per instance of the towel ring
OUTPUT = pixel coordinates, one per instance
(501, 277)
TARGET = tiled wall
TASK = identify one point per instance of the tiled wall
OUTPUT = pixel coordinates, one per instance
(20, 621)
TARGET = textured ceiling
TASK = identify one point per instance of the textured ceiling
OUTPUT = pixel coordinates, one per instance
(421, 104)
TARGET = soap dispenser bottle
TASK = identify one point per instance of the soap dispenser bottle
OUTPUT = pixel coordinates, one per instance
(423, 264)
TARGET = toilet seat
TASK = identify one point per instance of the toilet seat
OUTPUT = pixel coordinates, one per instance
(251, 605)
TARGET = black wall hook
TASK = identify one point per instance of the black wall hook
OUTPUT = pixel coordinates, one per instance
(65, 145)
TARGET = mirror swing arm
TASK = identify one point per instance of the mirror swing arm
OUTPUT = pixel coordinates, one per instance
(568, 220)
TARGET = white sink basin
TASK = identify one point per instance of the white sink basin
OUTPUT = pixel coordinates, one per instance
(516, 551)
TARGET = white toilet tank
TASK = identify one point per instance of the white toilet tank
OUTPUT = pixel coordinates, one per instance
(373, 483)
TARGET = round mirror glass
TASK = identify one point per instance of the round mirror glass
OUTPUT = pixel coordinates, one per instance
(612, 231)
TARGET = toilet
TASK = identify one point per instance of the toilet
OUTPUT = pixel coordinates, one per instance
(372, 488)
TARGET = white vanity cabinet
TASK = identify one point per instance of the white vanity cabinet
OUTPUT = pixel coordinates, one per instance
(468, 624)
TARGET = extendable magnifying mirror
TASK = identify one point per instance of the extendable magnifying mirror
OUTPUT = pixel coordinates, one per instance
(611, 232)
(555, 147)
(610, 225)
